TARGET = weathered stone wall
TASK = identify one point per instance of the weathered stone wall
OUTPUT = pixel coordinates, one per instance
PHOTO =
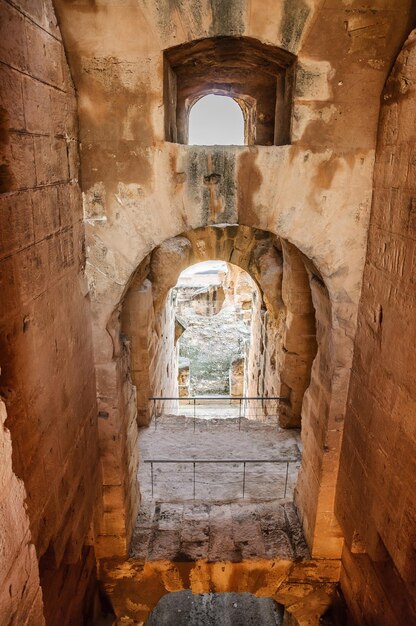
(164, 366)
(70, 592)
(149, 336)
(377, 482)
(47, 377)
(298, 345)
(263, 365)
(20, 592)
(322, 421)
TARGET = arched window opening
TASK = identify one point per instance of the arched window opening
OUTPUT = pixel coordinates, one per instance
(216, 120)
(257, 76)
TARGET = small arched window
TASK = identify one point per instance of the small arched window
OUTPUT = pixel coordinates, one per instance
(216, 120)
(256, 76)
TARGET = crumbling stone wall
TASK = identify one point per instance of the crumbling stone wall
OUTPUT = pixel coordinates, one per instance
(20, 592)
(299, 344)
(47, 377)
(375, 494)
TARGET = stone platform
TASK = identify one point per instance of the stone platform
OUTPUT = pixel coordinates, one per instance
(218, 532)
(219, 438)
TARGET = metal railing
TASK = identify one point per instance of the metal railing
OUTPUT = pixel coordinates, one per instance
(243, 462)
(209, 407)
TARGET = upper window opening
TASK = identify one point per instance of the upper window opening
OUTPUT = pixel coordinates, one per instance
(216, 120)
(256, 76)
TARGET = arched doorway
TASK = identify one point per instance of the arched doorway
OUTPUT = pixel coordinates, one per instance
(287, 282)
(217, 307)
(288, 322)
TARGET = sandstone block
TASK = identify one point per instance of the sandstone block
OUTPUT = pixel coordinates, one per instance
(45, 56)
(12, 37)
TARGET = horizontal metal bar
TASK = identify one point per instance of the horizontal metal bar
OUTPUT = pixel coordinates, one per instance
(221, 461)
(219, 398)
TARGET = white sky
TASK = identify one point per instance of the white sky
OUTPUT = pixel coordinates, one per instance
(218, 266)
(216, 120)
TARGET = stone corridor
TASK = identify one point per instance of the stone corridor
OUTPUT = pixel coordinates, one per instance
(205, 543)
(104, 202)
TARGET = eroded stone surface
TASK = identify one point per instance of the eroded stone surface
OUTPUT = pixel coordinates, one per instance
(47, 368)
(378, 470)
(20, 591)
(218, 532)
(305, 587)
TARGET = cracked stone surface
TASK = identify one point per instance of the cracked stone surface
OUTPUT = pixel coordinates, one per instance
(217, 532)
(218, 523)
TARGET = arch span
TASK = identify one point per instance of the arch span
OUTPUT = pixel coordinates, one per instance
(294, 293)
(288, 323)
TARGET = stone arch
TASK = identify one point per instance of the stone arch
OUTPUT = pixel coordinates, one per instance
(282, 580)
(288, 319)
(322, 410)
(119, 424)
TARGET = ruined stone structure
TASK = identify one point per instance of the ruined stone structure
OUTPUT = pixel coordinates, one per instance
(221, 312)
(103, 204)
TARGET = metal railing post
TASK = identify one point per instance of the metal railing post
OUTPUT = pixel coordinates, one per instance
(194, 414)
(151, 472)
(287, 474)
(239, 416)
(194, 479)
(244, 478)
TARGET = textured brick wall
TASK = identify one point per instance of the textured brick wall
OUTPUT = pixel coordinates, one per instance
(46, 359)
(375, 498)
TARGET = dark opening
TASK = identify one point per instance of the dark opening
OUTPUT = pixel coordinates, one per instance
(183, 608)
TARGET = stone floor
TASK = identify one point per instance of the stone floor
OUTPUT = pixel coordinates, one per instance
(218, 511)
(218, 532)
(272, 458)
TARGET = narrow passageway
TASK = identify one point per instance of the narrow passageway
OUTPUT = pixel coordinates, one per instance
(217, 473)
(207, 261)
